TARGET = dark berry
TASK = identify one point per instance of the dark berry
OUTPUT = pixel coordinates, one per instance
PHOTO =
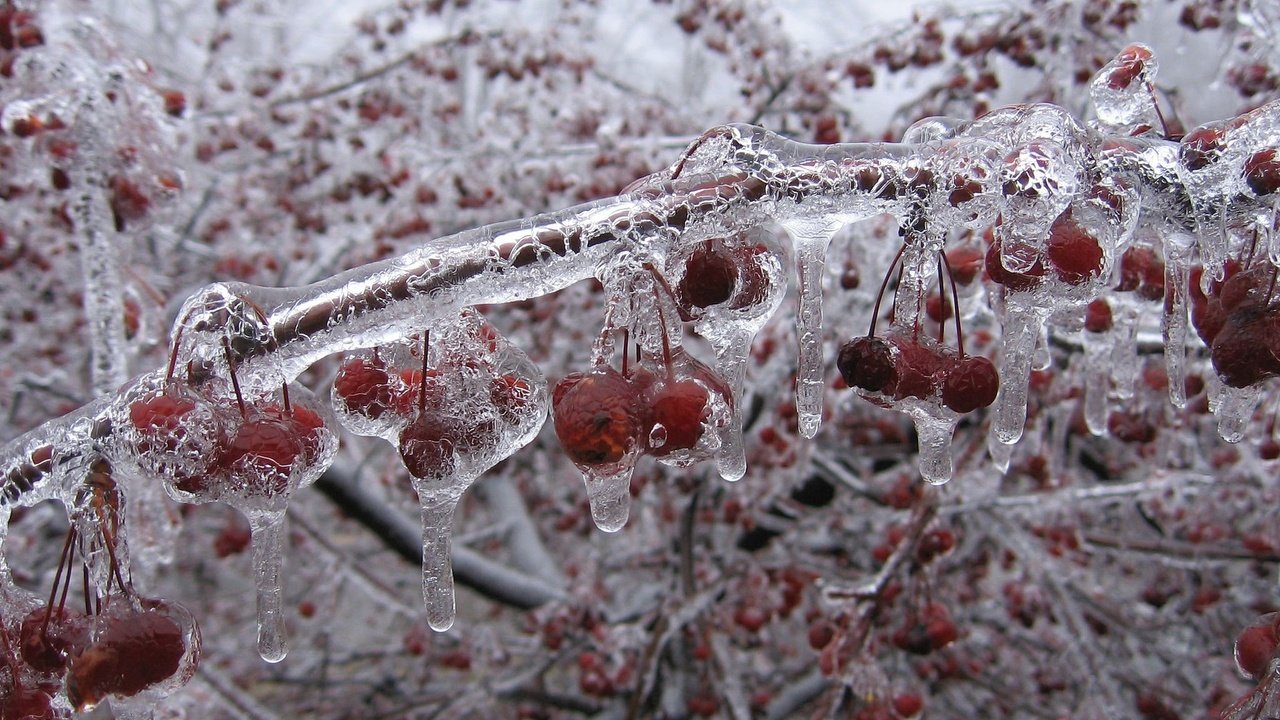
(867, 363)
(970, 384)
(597, 417)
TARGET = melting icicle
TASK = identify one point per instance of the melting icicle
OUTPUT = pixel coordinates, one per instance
(1177, 271)
(437, 563)
(1097, 381)
(610, 495)
(1018, 343)
(934, 428)
(1001, 454)
(268, 561)
(1124, 351)
(811, 247)
(731, 362)
(1235, 410)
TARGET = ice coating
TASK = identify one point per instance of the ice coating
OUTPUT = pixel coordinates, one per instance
(466, 401)
(268, 530)
(1029, 168)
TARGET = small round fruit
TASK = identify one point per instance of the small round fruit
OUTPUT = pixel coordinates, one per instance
(971, 384)
(709, 278)
(426, 447)
(597, 417)
(866, 362)
(680, 408)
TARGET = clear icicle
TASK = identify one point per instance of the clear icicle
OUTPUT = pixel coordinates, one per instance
(934, 429)
(1124, 350)
(610, 495)
(1001, 454)
(731, 361)
(1177, 269)
(1097, 381)
(268, 561)
(1235, 410)
(811, 247)
(1018, 344)
(437, 564)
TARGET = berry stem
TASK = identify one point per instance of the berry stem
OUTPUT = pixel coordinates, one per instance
(884, 284)
(422, 386)
(942, 296)
(173, 358)
(235, 384)
(284, 396)
(955, 302)
(63, 559)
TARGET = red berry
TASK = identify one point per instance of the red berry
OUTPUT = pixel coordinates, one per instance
(681, 408)
(160, 420)
(936, 542)
(1201, 147)
(1255, 649)
(709, 278)
(133, 652)
(511, 397)
(1262, 172)
(1097, 316)
(128, 202)
(427, 447)
(1074, 254)
(261, 455)
(1029, 280)
(867, 363)
(27, 703)
(597, 417)
(65, 634)
(364, 387)
(970, 384)
(1129, 65)
(907, 705)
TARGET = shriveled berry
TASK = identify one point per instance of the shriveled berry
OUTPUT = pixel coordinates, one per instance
(49, 638)
(867, 363)
(597, 418)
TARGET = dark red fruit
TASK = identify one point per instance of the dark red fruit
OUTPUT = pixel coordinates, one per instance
(1201, 147)
(1129, 65)
(970, 384)
(427, 447)
(1097, 316)
(681, 408)
(511, 397)
(364, 386)
(133, 652)
(924, 632)
(1262, 172)
(597, 417)
(710, 276)
(1256, 647)
(867, 363)
(1074, 253)
(907, 705)
(65, 635)
(1014, 281)
(262, 453)
(27, 703)
(160, 419)
(1242, 351)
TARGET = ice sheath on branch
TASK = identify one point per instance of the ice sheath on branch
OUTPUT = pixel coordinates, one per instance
(1066, 202)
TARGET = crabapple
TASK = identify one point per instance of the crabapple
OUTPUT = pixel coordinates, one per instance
(597, 417)
(867, 363)
(971, 383)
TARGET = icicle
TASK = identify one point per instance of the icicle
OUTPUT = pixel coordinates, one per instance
(1177, 273)
(1124, 350)
(1001, 454)
(610, 495)
(934, 428)
(1097, 381)
(268, 561)
(731, 362)
(437, 563)
(1018, 343)
(811, 246)
(1235, 411)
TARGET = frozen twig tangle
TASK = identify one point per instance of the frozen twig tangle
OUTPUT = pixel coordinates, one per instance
(1099, 233)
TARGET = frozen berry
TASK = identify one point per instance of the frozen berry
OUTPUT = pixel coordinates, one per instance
(597, 417)
(1074, 253)
(710, 276)
(866, 362)
(364, 387)
(970, 384)
(133, 652)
